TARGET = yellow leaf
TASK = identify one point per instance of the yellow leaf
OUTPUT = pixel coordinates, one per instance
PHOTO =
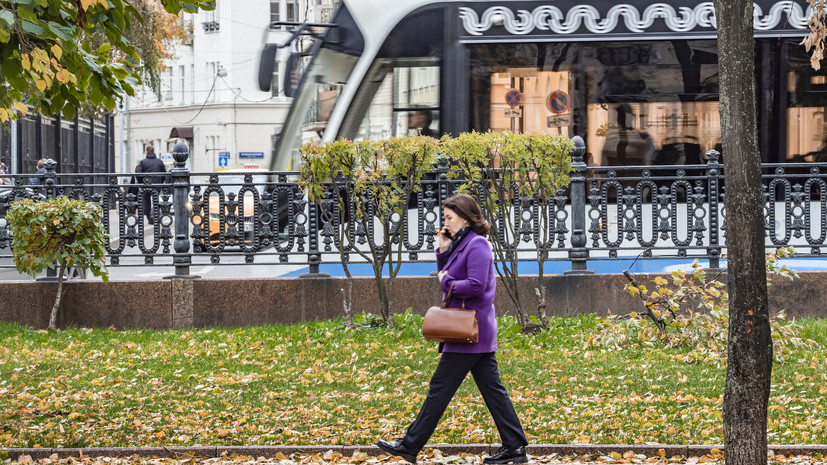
(661, 452)
(57, 51)
(616, 455)
(64, 75)
(660, 281)
(280, 456)
(87, 3)
(671, 430)
(72, 416)
(19, 106)
(56, 222)
(26, 63)
(41, 84)
(4, 115)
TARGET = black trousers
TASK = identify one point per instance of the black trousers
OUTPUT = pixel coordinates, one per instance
(449, 374)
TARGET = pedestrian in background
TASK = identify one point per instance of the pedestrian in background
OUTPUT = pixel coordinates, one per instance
(41, 169)
(4, 180)
(465, 261)
(150, 164)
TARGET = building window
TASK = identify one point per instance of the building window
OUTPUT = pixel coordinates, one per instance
(275, 83)
(211, 18)
(211, 75)
(192, 84)
(291, 11)
(275, 9)
(182, 79)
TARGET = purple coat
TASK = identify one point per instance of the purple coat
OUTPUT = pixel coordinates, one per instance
(471, 269)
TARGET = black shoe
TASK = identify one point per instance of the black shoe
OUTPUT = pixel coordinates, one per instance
(396, 448)
(506, 455)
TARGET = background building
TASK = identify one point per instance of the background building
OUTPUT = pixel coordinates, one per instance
(209, 92)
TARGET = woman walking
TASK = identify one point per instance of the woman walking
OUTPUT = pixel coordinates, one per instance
(465, 261)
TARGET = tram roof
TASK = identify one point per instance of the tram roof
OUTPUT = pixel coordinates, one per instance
(577, 19)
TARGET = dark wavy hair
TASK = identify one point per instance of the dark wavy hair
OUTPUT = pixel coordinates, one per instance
(468, 209)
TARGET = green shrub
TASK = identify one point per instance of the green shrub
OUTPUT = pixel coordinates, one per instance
(57, 232)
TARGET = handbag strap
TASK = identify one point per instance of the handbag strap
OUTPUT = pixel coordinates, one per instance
(448, 297)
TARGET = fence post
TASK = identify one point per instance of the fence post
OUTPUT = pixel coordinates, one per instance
(713, 175)
(314, 258)
(579, 253)
(180, 190)
(49, 179)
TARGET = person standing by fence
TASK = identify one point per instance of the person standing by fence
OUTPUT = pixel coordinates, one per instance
(150, 164)
(4, 180)
(41, 169)
(466, 268)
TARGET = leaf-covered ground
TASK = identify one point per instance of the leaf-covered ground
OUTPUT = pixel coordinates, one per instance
(317, 383)
(361, 458)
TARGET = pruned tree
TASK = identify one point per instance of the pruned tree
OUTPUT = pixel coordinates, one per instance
(510, 174)
(57, 233)
(749, 341)
(363, 189)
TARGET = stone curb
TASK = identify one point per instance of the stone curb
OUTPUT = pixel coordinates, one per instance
(482, 449)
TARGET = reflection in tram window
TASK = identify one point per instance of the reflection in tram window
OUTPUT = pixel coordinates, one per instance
(636, 103)
(807, 90)
(406, 101)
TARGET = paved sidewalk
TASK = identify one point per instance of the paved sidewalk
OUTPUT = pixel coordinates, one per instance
(365, 455)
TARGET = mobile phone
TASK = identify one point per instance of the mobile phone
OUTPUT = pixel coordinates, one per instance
(447, 234)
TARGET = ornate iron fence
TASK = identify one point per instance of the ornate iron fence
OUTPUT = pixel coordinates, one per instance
(606, 213)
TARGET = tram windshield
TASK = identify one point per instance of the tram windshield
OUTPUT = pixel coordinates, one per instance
(323, 83)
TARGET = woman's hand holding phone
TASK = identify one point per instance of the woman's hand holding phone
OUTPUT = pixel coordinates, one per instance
(444, 239)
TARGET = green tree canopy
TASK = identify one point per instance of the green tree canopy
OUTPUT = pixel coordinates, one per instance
(48, 61)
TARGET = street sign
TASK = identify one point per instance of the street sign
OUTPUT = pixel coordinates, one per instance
(513, 112)
(223, 162)
(558, 102)
(513, 98)
(250, 154)
(558, 121)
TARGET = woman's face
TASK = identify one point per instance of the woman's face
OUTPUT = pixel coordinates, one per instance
(453, 221)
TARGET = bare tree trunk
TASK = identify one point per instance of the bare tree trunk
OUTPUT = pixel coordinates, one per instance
(749, 346)
(541, 302)
(53, 315)
(347, 303)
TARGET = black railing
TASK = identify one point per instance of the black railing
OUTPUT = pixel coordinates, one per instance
(606, 213)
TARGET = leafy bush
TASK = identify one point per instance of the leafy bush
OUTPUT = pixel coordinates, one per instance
(503, 171)
(355, 183)
(691, 311)
(57, 232)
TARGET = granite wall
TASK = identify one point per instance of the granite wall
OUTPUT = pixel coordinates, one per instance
(181, 303)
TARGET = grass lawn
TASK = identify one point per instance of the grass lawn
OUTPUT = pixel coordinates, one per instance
(317, 383)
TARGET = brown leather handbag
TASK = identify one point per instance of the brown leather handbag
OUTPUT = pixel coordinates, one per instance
(458, 325)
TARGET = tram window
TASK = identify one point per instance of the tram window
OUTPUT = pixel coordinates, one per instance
(396, 101)
(806, 125)
(635, 103)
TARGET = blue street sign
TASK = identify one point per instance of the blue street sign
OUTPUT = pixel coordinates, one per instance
(250, 154)
(513, 97)
(223, 162)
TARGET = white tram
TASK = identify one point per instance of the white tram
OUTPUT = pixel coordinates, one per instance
(637, 80)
